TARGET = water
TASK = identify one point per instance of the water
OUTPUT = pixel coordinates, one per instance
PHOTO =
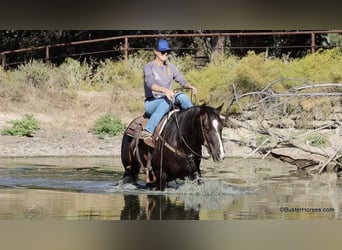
(89, 188)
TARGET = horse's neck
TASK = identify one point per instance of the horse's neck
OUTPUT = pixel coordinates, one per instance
(189, 127)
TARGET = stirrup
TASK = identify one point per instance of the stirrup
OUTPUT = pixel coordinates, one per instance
(149, 142)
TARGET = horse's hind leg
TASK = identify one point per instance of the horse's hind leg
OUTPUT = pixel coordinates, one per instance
(131, 168)
(130, 176)
(131, 173)
(150, 175)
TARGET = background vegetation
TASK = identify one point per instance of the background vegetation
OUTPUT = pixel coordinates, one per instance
(253, 72)
(295, 46)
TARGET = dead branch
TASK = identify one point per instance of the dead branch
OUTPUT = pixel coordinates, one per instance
(308, 148)
(329, 125)
(321, 85)
(267, 104)
(285, 139)
(327, 162)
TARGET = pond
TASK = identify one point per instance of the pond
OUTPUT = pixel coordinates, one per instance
(89, 188)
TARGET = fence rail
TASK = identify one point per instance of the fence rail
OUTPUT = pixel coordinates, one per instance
(125, 49)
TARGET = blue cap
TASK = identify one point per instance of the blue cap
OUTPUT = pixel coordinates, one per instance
(162, 45)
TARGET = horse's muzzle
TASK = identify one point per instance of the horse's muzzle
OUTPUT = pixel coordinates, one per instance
(218, 156)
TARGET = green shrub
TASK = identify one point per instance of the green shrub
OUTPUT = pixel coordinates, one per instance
(124, 74)
(214, 78)
(108, 124)
(316, 140)
(335, 39)
(73, 74)
(185, 63)
(23, 127)
(35, 73)
(322, 66)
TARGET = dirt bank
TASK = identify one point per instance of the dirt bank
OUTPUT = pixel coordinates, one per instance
(76, 142)
(65, 128)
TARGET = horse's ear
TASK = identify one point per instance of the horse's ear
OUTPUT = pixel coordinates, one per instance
(219, 108)
(203, 107)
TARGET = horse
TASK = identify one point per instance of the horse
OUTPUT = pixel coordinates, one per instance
(178, 138)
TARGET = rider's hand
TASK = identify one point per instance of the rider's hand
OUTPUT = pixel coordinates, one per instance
(193, 89)
(169, 94)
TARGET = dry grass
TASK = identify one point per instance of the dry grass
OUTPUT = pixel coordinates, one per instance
(80, 111)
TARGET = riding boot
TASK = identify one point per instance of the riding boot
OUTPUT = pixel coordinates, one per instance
(146, 136)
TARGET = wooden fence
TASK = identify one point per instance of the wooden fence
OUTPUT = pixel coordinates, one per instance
(125, 47)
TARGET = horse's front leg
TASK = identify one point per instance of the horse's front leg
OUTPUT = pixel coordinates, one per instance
(195, 172)
(161, 181)
(196, 177)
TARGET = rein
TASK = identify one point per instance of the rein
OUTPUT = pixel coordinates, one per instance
(172, 149)
(189, 158)
(176, 151)
(192, 96)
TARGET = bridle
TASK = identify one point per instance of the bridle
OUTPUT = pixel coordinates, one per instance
(188, 157)
(180, 153)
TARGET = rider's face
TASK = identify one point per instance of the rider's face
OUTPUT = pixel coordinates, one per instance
(162, 56)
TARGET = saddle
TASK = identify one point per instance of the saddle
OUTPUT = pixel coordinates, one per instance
(139, 123)
(136, 126)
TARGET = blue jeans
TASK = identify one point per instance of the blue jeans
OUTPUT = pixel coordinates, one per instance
(155, 109)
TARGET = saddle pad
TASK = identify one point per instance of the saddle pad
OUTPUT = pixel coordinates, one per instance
(136, 125)
(162, 123)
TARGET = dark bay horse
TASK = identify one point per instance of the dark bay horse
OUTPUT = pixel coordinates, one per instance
(178, 147)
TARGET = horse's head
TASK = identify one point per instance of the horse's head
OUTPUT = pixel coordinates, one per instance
(212, 125)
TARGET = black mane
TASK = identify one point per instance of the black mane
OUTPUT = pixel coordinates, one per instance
(187, 123)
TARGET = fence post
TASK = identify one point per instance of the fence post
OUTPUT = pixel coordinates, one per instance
(47, 54)
(220, 44)
(313, 42)
(3, 60)
(126, 48)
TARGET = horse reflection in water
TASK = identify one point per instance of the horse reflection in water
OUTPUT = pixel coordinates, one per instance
(178, 147)
(155, 207)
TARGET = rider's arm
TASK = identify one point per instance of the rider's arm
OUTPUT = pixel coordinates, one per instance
(190, 86)
(178, 76)
(168, 92)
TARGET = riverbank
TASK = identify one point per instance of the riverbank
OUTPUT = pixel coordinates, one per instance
(66, 130)
(59, 143)
(81, 142)
(66, 127)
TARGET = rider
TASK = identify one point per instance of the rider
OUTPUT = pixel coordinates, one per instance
(159, 96)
